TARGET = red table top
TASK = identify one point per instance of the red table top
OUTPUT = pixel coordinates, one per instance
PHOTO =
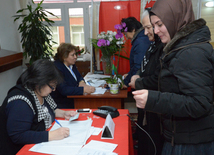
(122, 133)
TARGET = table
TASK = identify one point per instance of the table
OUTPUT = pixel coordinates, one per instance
(122, 135)
(97, 100)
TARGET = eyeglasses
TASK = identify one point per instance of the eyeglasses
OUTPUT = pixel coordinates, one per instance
(53, 88)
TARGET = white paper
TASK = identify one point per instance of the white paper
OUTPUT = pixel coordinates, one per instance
(79, 133)
(99, 90)
(95, 82)
(57, 150)
(96, 76)
(98, 148)
(95, 130)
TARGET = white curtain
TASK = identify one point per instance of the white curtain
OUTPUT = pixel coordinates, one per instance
(95, 28)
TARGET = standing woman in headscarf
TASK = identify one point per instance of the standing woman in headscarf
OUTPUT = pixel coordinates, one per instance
(185, 96)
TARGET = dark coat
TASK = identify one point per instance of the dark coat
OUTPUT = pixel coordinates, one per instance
(140, 44)
(69, 86)
(149, 71)
(150, 67)
(185, 99)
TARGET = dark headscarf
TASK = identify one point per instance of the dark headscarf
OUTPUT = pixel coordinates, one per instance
(175, 14)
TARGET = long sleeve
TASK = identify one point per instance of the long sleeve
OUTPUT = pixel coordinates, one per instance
(70, 85)
(148, 82)
(138, 50)
(195, 98)
(66, 90)
(20, 119)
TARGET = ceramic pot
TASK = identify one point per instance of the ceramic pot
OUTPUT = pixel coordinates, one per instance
(114, 88)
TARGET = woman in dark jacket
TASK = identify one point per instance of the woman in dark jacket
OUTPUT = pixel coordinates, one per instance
(28, 110)
(147, 78)
(73, 83)
(185, 97)
(140, 43)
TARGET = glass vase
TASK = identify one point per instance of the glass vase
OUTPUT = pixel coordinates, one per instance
(107, 64)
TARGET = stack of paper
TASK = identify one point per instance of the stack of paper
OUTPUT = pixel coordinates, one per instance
(79, 133)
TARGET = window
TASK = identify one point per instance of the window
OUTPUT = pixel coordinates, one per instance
(77, 36)
(55, 34)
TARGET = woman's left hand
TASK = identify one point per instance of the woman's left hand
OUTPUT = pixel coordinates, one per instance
(69, 114)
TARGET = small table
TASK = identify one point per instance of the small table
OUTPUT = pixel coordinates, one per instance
(97, 100)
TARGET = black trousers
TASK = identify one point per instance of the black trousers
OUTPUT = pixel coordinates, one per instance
(145, 145)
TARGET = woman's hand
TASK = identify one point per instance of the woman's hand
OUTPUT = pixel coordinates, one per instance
(68, 114)
(58, 134)
(141, 97)
(125, 75)
(124, 86)
(133, 79)
(89, 89)
(64, 114)
(82, 84)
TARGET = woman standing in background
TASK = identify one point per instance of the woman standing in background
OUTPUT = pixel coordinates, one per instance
(134, 31)
(147, 78)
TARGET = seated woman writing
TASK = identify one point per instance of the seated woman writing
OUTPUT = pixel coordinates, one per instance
(28, 110)
(73, 83)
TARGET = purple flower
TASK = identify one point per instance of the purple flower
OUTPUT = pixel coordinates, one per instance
(118, 27)
(123, 24)
(107, 42)
(126, 29)
(118, 35)
(101, 42)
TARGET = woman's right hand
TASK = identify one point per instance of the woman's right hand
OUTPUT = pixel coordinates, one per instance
(59, 134)
(89, 89)
(133, 79)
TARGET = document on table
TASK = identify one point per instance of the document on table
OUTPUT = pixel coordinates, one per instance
(95, 130)
(57, 150)
(96, 76)
(95, 82)
(98, 148)
(99, 90)
(79, 133)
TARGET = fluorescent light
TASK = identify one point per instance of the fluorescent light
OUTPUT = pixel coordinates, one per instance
(117, 7)
(209, 4)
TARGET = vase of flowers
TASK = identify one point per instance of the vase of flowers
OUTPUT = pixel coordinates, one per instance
(109, 43)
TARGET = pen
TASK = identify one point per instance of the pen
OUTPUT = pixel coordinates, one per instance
(58, 123)
(89, 83)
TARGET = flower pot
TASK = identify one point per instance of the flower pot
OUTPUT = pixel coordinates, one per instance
(114, 88)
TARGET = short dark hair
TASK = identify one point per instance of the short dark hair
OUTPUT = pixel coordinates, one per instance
(131, 23)
(63, 50)
(40, 73)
